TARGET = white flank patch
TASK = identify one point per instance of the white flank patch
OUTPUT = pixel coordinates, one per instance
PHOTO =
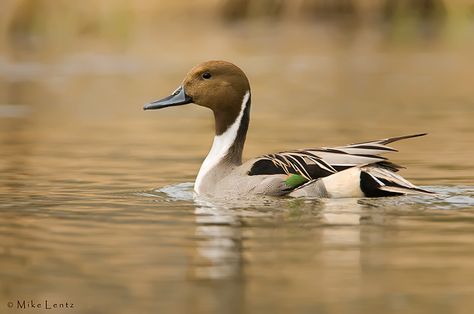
(220, 146)
(344, 184)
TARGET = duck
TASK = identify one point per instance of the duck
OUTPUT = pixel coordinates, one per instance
(350, 171)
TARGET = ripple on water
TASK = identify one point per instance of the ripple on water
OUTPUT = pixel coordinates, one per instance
(446, 198)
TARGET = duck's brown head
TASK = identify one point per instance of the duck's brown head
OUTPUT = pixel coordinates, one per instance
(218, 85)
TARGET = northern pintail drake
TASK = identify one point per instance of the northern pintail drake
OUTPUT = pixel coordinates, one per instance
(355, 170)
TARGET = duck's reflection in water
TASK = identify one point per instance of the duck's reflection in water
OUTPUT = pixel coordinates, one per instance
(341, 233)
(333, 236)
(219, 243)
(216, 265)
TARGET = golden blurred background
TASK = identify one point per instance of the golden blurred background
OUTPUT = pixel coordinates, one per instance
(345, 69)
(392, 61)
(32, 24)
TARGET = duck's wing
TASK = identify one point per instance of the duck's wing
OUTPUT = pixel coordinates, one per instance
(315, 163)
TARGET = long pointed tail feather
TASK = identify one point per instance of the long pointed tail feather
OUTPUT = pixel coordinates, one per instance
(389, 140)
(376, 180)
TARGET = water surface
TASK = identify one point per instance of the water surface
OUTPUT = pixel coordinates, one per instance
(96, 202)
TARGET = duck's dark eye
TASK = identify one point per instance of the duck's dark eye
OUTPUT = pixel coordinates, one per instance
(206, 75)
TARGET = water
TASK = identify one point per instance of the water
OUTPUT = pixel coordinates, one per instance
(96, 202)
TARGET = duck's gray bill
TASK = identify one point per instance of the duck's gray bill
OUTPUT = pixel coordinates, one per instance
(178, 98)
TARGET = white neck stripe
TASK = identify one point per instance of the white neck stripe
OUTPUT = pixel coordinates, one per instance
(220, 146)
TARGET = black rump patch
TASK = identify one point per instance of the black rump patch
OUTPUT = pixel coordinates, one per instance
(370, 187)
